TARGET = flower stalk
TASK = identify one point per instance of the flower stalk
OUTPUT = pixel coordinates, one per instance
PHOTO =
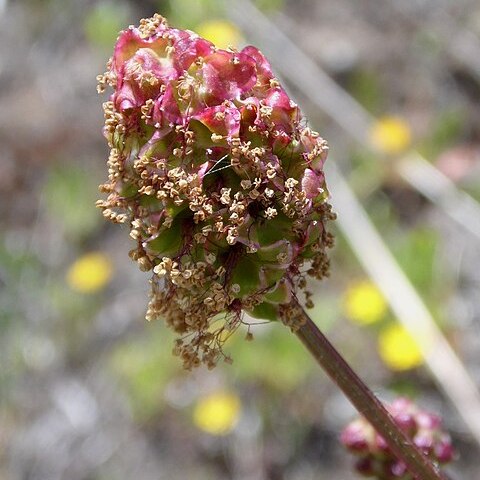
(362, 398)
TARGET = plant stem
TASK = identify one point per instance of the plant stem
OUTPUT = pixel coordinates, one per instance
(364, 399)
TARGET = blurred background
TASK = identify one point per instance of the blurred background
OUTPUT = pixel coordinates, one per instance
(90, 391)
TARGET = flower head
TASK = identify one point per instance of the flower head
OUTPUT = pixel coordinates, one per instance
(375, 458)
(219, 179)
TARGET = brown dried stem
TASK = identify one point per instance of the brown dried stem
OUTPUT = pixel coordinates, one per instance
(364, 399)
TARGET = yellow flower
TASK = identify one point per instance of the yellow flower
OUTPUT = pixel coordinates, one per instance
(390, 135)
(398, 349)
(364, 304)
(217, 413)
(90, 273)
(220, 32)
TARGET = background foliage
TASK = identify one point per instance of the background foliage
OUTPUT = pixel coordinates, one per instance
(88, 390)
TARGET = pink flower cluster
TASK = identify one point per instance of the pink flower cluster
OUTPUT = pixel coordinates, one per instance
(219, 179)
(375, 457)
(187, 78)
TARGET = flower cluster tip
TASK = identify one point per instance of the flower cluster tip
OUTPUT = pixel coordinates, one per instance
(374, 457)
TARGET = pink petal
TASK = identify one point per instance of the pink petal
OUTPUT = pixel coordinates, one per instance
(312, 183)
(353, 437)
(221, 119)
(130, 41)
(166, 109)
(284, 112)
(264, 70)
(227, 76)
(128, 96)
(142, 66)
(146, 61)
(188, 47)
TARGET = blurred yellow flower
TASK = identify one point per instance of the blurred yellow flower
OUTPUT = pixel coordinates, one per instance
(391, 135)
(220, 32)
(90, 273)
(364, 304)
(217, 413)
(398, 349)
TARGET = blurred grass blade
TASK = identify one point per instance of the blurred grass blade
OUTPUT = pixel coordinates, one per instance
(405, 302)
(461, 44)
(440, 190)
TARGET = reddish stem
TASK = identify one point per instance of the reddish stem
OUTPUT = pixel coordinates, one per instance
(364, 400)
